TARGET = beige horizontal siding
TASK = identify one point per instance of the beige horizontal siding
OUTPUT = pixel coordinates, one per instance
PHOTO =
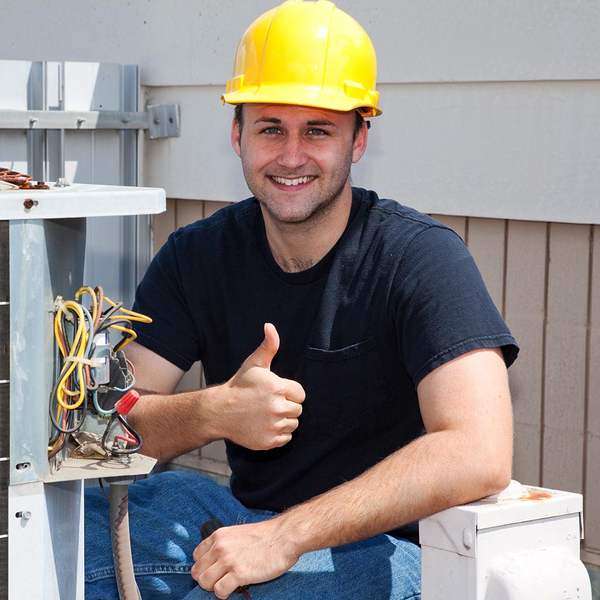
(544, 278)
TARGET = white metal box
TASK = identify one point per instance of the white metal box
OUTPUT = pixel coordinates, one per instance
(506, 548)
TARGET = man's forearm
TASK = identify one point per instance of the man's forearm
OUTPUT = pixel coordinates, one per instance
(434, 472)
(173, 424)
(255, 408)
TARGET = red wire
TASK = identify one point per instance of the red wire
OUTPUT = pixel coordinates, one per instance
(129, 440)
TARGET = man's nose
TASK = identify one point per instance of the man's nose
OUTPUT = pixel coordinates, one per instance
(292, 153)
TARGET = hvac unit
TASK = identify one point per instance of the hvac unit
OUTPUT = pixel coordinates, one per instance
(42, 245)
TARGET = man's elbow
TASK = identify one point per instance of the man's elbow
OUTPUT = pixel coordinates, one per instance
(497, 474)
(499, 481)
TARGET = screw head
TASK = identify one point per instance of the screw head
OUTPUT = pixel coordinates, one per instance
(467, 539)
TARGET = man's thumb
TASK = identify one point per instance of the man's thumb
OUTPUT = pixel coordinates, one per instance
(264, 354)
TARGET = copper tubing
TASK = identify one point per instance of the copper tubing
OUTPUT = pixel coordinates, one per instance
(121, 545)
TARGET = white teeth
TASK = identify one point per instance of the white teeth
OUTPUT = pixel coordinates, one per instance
(297, 181)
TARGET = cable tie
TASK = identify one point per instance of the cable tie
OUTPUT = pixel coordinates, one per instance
(60, 305)
(92, 362)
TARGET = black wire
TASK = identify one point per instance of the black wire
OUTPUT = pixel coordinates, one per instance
(70, 415)
(109, 312)
(69, 328)
(102, 488)
(106, 324)
(113, 449)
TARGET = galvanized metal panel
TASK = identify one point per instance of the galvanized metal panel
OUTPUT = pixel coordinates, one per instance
(4, 478)
(4, 568)
(486, 244)
(526, 262)
(13, 150)
(36, 140)
(46, 260)
(79, 156)
(92, 86)
(15, 76)
(4, 419)
(565, 357)
(107, 158)
(4, 257)
(592, 472)
(51, 540)
(4, 341)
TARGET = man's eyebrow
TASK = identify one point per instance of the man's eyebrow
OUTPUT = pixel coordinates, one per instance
(268, 120)
(321, 123)
(314, 123)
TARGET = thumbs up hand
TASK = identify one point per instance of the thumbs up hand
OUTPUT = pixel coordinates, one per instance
(258, 409)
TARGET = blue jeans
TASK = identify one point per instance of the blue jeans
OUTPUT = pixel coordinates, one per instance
(166, 512)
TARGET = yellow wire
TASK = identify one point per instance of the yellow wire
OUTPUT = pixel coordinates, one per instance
(88, 290)
(132, 334)
(131, 316)
(80, 342)
(134, 315)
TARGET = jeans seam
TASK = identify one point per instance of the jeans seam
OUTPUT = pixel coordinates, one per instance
(141, 570)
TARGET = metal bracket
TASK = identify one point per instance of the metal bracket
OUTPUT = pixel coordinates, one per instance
(161, 120)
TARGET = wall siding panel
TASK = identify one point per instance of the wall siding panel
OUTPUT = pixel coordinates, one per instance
(592, 474)
(565, 357)
(189, 211)
(210, 208)
(525, 313)
(486, 243)
(162, 225)
(457, 224)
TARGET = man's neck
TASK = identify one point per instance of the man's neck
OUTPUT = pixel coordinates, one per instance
(298, 246)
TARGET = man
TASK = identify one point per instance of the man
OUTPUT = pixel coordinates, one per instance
(378, 394)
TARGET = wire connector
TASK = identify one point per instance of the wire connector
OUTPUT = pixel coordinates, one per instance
(127, 402)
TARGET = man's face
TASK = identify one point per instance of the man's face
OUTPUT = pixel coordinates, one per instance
(296, 160)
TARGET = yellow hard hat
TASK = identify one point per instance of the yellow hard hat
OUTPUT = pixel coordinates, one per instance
(308, 54)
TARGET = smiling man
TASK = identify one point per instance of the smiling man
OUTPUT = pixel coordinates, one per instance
(372, 389)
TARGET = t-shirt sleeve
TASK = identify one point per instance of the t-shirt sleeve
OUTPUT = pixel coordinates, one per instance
(161, 296)
(444, 308)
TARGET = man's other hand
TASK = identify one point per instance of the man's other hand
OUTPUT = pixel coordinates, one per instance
(241, 555)
(258, 409)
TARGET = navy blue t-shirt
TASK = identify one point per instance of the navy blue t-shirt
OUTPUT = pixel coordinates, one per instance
(398, 296)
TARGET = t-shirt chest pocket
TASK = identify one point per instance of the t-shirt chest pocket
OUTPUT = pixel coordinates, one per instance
(342, 385)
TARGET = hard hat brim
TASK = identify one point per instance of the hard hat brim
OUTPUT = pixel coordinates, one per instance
(299, 95)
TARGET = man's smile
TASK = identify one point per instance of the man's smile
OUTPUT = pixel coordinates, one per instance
(296, 181)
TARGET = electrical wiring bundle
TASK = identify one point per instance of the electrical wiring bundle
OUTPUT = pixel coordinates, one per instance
(95, 381)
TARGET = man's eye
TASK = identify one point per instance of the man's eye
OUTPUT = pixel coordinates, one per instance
(270, 130)
(317, 132)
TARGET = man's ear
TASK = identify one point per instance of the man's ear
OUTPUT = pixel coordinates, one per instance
(360, 143)
(236, 137)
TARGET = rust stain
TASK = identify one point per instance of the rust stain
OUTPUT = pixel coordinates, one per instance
(533, 495)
